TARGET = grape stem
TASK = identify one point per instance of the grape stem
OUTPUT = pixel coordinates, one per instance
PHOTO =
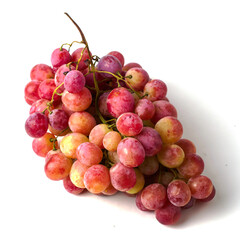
(84, 41)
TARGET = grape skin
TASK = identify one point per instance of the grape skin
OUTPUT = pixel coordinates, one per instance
(145, 109)
(151, 141)
(41, 72)
(74, 81)
(120, 101)
(36, 125)
(31, 92)
(122, 178)
(70, 187)
(58, 119)
(129, 124)
(130, 152)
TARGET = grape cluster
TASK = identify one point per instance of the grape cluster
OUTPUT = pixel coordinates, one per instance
(106, 127)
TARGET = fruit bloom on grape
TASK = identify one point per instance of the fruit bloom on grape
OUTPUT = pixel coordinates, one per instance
(60, 75)
(145, 109)
(118, 55)
(168, 214)
(122, 178)
(151, 141)
(137, 78)
(70, 143)
(60, 57)
(154, 196)
(192, 166)
(178, 193)
(171, 156)
(70, 187)
(41, 72)
(110, 64)
(58, 119)
(41, 146)
(31, 92)
(163, 109)
(130, 152)
(97, 178)
(170, 129)
(36, 125)
(201, 186)
(129, 124)
(138, 202)
(97, 134)
(155, 90)
(81, 122)
(74, 81)
(77, 101)
(46, 89)
(120, 101)
(77, 174)
(89, 154)
(58, 166)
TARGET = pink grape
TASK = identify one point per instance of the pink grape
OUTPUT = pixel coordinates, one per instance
(155, 90)
(129, 124)
(154, 196)
(76, 56)
(110, 64)
(118, 55)
(102, 104)
(70, 187)
(149, 166)
(96, 178)
(145, 109)
(89, 154)
(201, 186)
(97, 134)
(77, 101)
(77, 174)
(46, 89)
(59, 57)
(162, 109)
(41, 72)
(140, 181)
(170, 129)
(81, 122)
(137, 78)
(168, 214)
(130, 65)
(60, 75)
(120, 101)
(171, 156)
(192, 166)
(178, 193)
(130, 152)
(151, 141)
(210, 197)
(122, 178)
(187, 146)
(138, 202)
(110, 190)
(41, 146)
(58, 166)
(58, 119)
(190, 204)
(113, 157)
(111, 140)
(31, 92)
(74, 81)
(39, 106)
(36, 125)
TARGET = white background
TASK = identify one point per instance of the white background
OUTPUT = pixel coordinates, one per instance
(194, 46)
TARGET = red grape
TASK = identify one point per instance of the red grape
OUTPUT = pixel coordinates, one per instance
(118, 55)
(59, 57)
(41, 72)
(145, 109)
(74, 81)
(58, 119)
(36, 125)
(31, 92)
(70, 187)
(76, 56)
(129, 124)
(155, 90)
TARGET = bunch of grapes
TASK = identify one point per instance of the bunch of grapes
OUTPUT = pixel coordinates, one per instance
(104, 126)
